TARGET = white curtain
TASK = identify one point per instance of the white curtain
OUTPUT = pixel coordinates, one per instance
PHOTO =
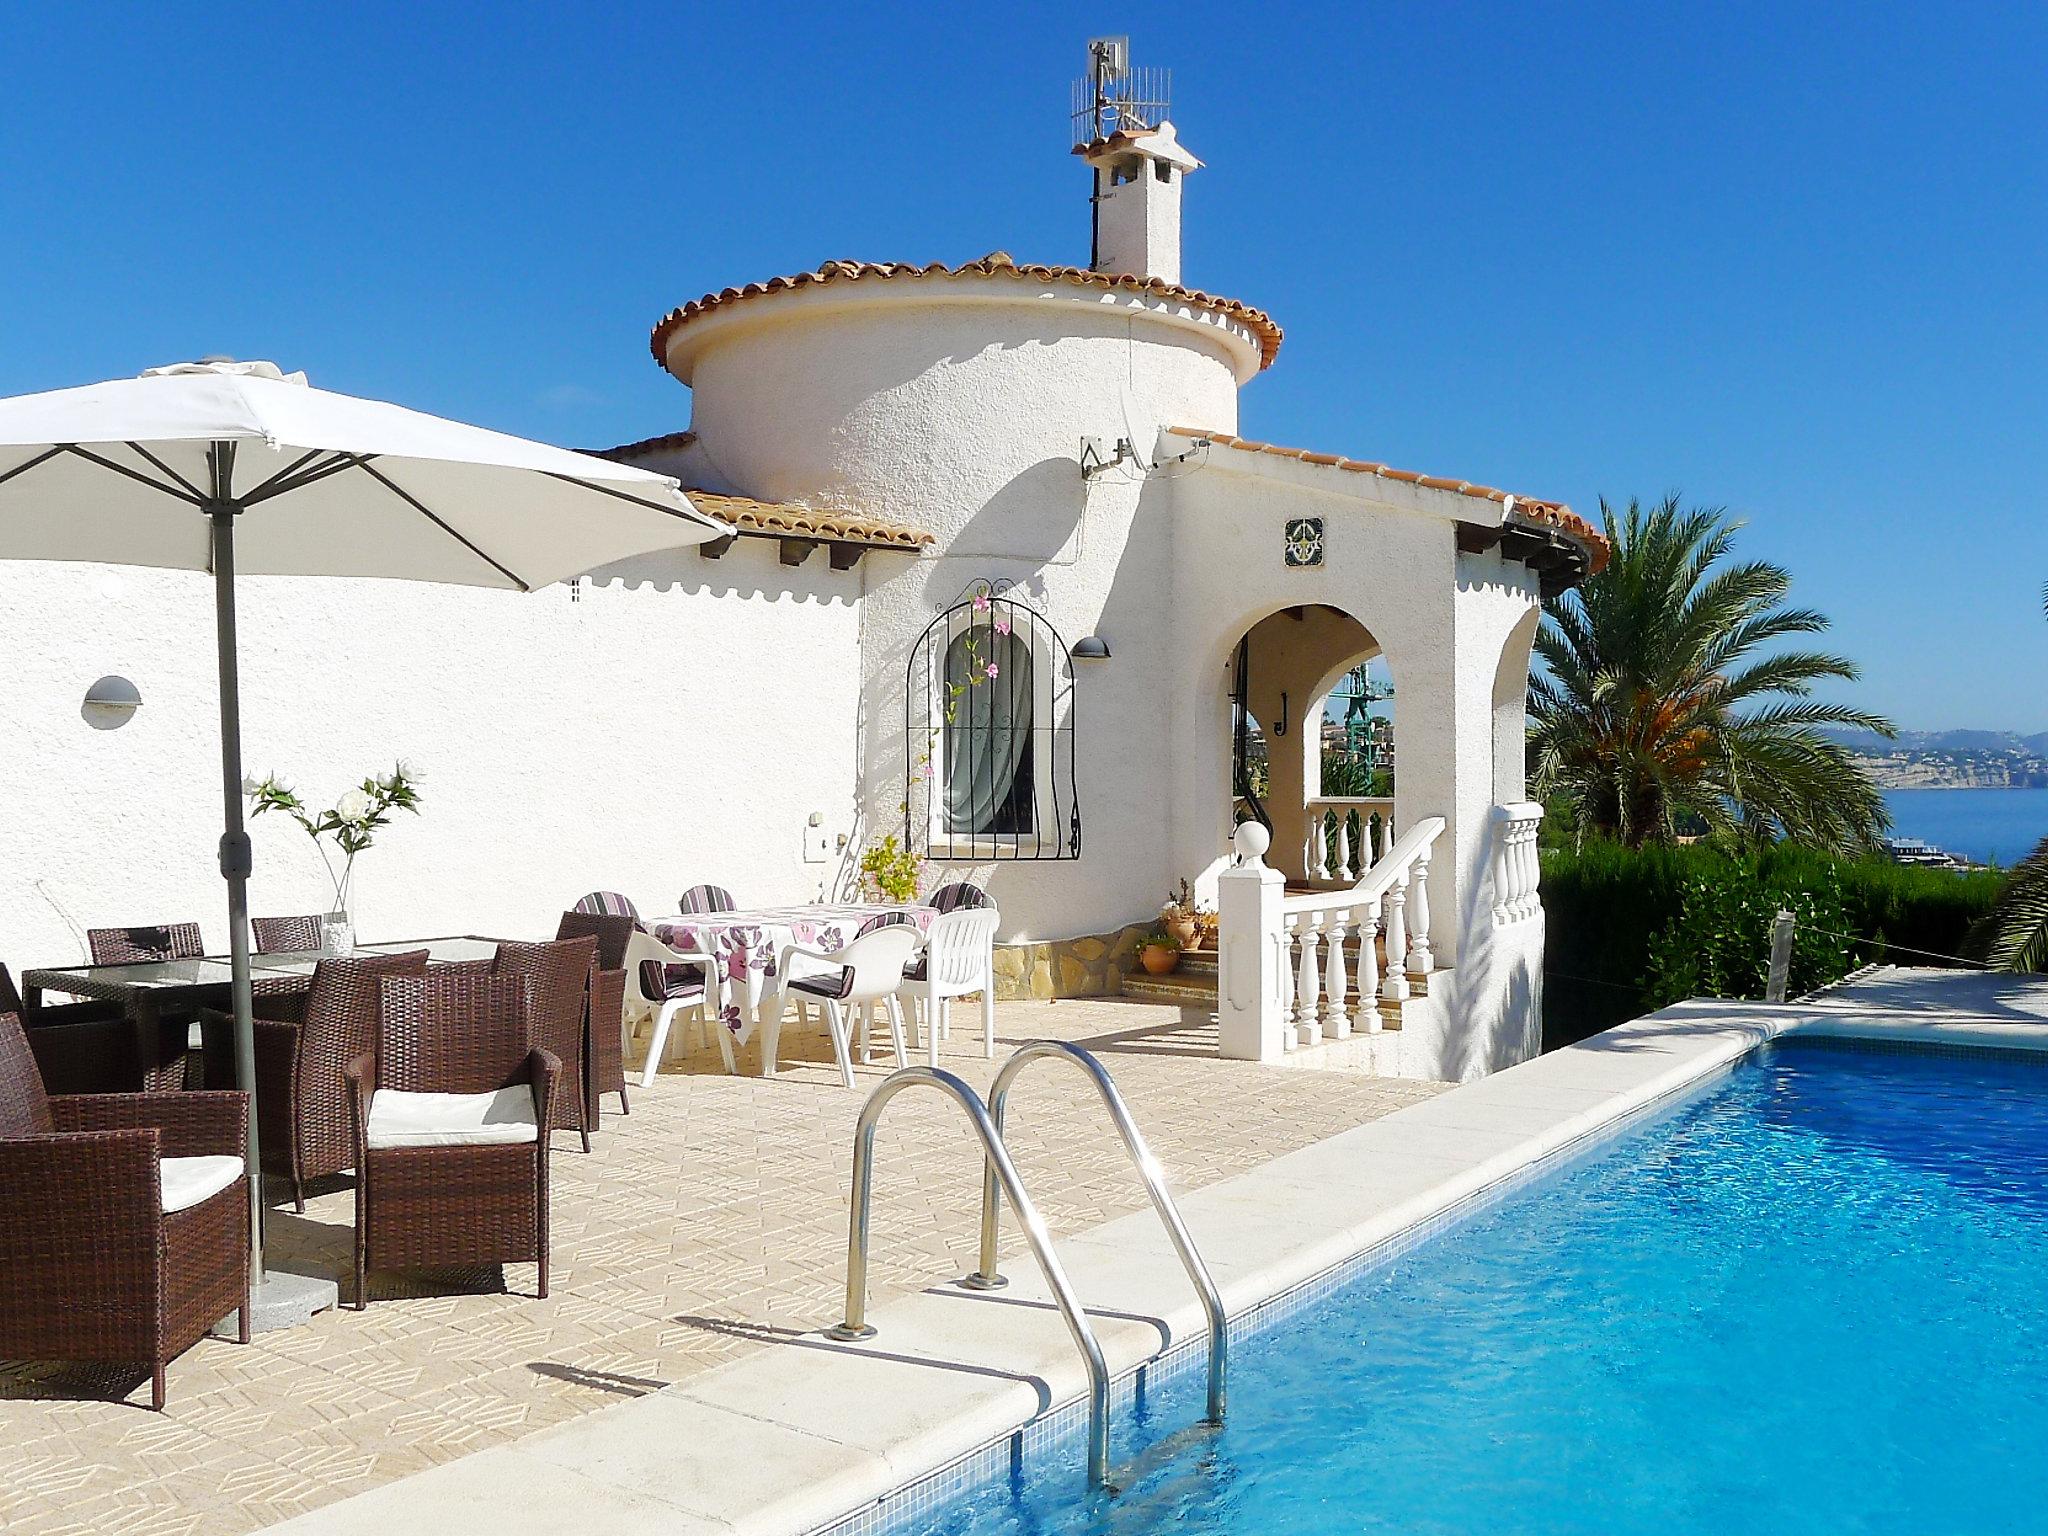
(990, 730)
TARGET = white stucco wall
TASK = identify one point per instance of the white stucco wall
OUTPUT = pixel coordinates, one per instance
(673, 724)
(959, 406)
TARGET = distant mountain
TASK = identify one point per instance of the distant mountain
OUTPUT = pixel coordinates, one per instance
(1871, 744)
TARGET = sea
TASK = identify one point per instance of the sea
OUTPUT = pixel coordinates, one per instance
(1986, 826)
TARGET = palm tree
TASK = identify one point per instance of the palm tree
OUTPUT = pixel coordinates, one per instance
(1658, 706)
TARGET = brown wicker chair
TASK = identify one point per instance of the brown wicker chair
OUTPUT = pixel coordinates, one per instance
(441, 1183)
(285, 935)
(124, 1219)
(127, 946)
(79, 1047)
(604, 1057)
(557, 976)
(301, 1096)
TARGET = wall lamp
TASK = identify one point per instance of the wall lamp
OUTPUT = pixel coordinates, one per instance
(110, 703)
(1091, 648)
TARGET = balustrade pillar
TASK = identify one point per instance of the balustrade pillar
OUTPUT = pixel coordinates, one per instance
(1336, 1020)
(1255, 983)
(1308, 1025)
(1395, 988)
(1421, 961)
(1368, 1016)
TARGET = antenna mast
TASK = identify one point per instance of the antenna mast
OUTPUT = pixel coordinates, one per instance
(1115, 98)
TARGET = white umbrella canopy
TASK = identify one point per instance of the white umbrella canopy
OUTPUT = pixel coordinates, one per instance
(216, 465)
(328, 484)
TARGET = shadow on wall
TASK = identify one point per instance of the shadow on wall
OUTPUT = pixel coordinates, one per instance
(742, 572)
(1494, 1019)
(1035, 516)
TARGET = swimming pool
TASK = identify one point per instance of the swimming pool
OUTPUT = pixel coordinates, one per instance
(1812, 1298)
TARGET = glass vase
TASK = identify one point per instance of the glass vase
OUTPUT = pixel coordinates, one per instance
(337, 934)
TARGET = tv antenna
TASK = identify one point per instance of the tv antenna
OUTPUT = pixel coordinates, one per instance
(1115, 96)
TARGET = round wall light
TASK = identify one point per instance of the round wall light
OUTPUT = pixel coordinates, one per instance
(110, 703)
(1091, 648)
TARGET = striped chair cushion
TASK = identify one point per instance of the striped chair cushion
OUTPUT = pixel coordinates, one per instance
(611, 903)
(885, 920)
(951, 898)
(707, 898)
(832, 985)
(667, 981)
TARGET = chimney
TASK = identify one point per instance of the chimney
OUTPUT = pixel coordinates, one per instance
(1137, 175)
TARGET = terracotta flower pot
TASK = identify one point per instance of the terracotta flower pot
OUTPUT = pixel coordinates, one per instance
(1159, 959)
(1186, 928)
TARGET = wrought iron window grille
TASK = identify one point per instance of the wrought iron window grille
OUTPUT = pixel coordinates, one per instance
(988, 734)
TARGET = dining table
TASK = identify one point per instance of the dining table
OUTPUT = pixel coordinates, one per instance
(746, 947)
(163, 998)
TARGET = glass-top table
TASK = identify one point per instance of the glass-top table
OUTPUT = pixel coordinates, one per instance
(161, 996)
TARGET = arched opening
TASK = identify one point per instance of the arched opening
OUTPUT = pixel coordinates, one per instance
(1312, 742)
(1510, 711)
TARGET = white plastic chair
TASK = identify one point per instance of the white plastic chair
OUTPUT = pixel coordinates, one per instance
(701, 1006)
(865, 972)
(959, 958)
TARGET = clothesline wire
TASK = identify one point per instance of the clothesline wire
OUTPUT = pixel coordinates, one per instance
(1904, 949)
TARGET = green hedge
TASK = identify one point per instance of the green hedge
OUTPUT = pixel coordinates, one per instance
(1628, 931)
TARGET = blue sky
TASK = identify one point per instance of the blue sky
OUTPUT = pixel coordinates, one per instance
(1787, 259)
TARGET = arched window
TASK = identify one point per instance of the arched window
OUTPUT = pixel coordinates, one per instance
(989, 735)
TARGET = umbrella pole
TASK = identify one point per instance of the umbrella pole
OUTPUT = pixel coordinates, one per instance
(235, 857)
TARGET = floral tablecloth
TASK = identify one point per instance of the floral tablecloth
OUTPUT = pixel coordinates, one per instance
(746, 945)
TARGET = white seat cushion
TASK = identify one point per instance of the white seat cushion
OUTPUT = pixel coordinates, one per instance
(400, 1119)
(187, 1181)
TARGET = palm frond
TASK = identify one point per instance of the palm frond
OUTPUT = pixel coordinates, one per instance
(2019, 923)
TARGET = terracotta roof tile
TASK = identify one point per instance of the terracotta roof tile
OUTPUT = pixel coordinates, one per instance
(994, 264)
(667, 440)
(792, 521)
(1551, 514)
(783, 519)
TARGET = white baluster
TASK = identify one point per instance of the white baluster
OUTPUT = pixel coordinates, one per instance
(1308, 1025)
(1421, 960)
(1532, 902)
(1516, 872)
(1367, 1017)
(1344, 873)
(1336, 1018)
(1395, 987)
(1290, 937)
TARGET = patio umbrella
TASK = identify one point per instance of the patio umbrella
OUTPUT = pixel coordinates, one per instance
(223, 466)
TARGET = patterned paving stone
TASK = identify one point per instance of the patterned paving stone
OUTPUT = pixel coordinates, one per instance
(709, 1220)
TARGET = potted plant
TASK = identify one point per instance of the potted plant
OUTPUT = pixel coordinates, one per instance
(1159, 952)
(350, 826)
(890, 873)
(1210, 925)
(1180, 918)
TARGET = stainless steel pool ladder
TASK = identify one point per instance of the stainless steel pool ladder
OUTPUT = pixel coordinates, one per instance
(1150, 1174)
(999, 1179)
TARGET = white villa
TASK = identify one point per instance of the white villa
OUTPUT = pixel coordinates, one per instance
(927, 469)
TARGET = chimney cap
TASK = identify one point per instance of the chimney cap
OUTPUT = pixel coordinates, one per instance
(1161, 143)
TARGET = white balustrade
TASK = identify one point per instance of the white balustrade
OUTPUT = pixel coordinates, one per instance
(1344, 836)
(1315, 990)
(1516, 869)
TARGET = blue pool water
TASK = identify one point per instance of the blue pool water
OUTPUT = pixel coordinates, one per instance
(1814, 1299)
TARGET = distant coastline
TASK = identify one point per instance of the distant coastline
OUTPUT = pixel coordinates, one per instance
(1998, 825)
(1950, 759)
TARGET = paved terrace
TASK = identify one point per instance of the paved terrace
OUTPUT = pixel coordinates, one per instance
(710, 1221)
